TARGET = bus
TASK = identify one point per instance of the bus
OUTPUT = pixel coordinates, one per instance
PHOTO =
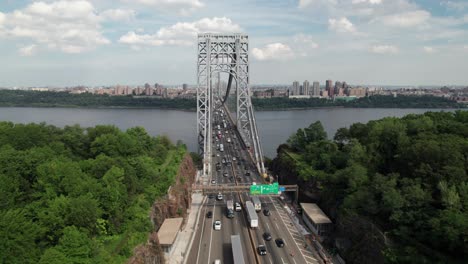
(237, 253)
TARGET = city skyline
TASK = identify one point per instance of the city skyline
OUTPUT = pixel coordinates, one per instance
(105, 42)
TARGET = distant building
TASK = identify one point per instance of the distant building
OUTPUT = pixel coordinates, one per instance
(296, 88)
(317, 221)
(306, 88)
(184, 87)
(329, 88)
(148, 90)
(338, 86)
(358, 92)
(316, 89)
(324, 93)
(138, 91)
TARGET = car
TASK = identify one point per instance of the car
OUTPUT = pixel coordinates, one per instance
(217, 225)
(238, 162)
(209, 214)
(279, 242)
(238, 207)
(267, 236)
(247, 173)
(233, 158)
(213, 181)
(230, 213)
(211, 196)
(219, 197)
(261, 250)
(266, 212)
(225, 174)
(217, 154)
(217, 261)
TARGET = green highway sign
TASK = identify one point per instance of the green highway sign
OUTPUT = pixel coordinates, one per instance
(264, 189)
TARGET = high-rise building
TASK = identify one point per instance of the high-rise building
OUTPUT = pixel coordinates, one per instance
(148, 90)
(329, 88)
(316, 89)
(338, 86)
(184, 87)
(306, 88)
(296, 88)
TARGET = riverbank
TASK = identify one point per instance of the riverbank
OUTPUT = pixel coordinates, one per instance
(20, 98)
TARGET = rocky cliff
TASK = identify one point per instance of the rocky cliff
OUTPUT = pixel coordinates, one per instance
(174, 204)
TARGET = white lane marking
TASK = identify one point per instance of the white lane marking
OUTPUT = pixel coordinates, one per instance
(270, 260)
(282, 260)
(268, 226)
(211, 233)
(294, 260)
(203, 227)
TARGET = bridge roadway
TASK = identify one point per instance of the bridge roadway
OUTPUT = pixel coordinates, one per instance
(210, 245)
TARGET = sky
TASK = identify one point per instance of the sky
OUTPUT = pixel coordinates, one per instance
(131, 42)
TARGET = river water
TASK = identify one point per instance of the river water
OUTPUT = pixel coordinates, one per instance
(274, 126)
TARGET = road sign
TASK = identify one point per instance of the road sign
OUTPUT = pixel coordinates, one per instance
(264, 189)
(282, 189)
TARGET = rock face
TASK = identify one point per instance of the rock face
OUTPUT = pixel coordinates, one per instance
(174, 204)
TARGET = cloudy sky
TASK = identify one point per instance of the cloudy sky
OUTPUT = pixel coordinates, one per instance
(103, 42)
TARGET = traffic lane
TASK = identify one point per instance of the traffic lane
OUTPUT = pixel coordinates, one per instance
(272, 255)
(274, 227)
(216, 240)
(282, 232)
(204, 249)
(197, 240)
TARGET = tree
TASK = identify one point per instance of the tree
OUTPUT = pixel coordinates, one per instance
(19, 235)
(76, 246)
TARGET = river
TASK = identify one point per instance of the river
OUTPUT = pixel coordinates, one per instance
(274, 126)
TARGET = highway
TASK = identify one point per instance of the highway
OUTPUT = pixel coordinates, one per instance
(209, 244)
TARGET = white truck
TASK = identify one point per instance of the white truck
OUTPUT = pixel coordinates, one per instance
(230, 209)
(230, 204)
(256, 203)
(252, 216)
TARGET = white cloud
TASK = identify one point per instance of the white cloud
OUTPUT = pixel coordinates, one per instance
(273, 51)
(182, 33)
(28, 50)
(384, 49)
(406, 19)
(306, 41)
(182, 6)
(455, 5)
(118, 14)
(342, 25)
(2, 19)
(429, 50)
(372, 2)
(307, 3)
(69, 26)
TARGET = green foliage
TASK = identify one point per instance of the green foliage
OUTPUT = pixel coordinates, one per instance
(409, 176)
(77, 195)
(65, 99)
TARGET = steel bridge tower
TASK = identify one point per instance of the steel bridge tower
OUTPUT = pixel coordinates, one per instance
(228, 53)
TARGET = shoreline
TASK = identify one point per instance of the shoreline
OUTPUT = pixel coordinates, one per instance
(194, 109)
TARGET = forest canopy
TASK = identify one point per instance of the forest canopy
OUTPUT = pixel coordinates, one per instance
(76, 195)
(408, 176)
